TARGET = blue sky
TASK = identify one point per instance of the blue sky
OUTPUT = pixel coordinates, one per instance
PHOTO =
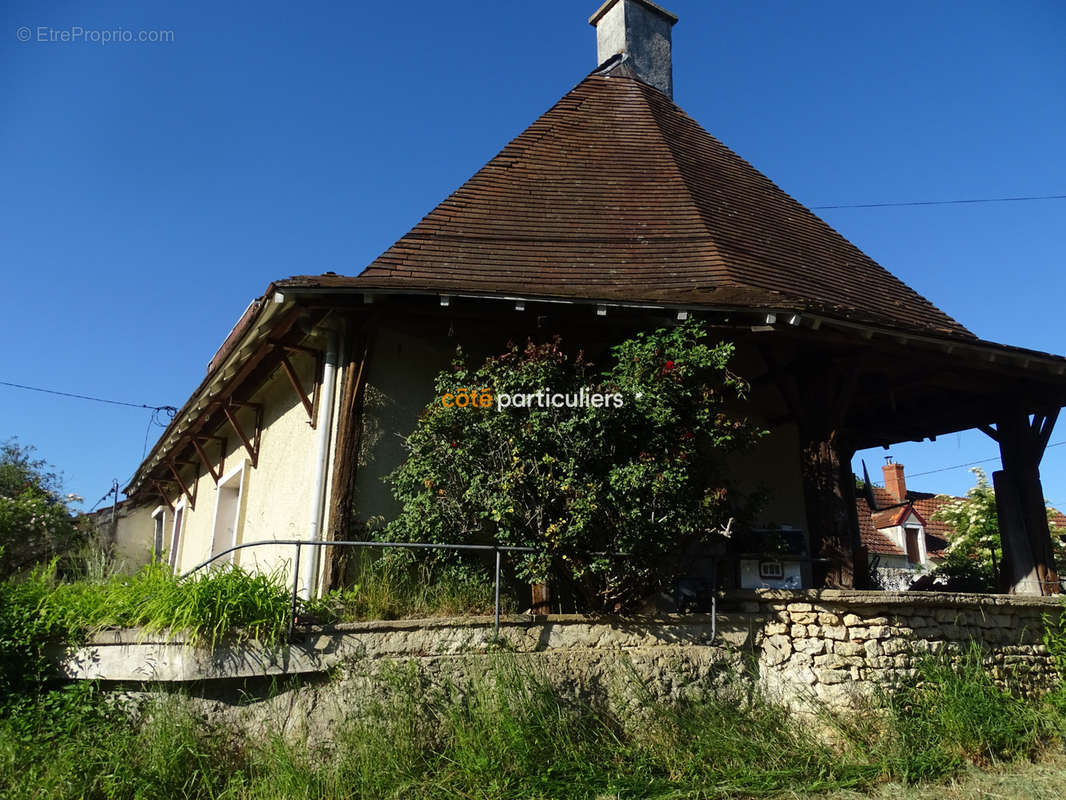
(150, 190)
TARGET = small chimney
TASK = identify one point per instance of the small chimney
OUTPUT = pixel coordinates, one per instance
(895, 483)
(641, 30)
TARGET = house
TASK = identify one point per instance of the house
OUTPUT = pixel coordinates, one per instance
(614, 212)
(900, 532)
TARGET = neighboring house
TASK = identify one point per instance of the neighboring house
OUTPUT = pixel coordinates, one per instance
(125, 528)
(614, 212)
(900, 532)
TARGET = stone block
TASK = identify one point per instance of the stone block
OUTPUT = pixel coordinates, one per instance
(848, 648)
(810, 646)
(830, 677)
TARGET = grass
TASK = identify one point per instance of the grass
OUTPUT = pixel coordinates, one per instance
(401, 587)
(510, 734)
(203, 609)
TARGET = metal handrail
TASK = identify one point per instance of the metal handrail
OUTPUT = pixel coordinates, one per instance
(497, 549)
(298, 543)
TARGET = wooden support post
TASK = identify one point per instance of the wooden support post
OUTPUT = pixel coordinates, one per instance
(541, 596)
(1028, 558)
(828, 495)
(346, 456)
(819, 396)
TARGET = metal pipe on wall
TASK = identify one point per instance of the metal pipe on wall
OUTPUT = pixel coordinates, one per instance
(324, 431)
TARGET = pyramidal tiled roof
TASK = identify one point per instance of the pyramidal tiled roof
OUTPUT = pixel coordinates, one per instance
(616, 193)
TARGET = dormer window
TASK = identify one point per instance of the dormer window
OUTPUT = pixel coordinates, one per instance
(912, 535)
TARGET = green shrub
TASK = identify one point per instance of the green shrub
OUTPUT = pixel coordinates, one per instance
(647, 476)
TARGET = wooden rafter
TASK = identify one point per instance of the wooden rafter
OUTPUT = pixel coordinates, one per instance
(308, 400)
(189, 496)
(208, 464)
(163, 495)
(251, 445)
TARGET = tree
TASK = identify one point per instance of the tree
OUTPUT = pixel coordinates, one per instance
(642, 474)
(974, 553)
(36, 521)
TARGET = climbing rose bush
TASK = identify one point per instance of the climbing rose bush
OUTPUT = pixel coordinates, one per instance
(581, 485)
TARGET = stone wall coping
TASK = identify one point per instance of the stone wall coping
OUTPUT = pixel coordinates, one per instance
(137, 636)
(856, 597)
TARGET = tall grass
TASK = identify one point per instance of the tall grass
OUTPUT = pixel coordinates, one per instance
(202, 609)
(510, 734)
(399, 587)
(952, 711)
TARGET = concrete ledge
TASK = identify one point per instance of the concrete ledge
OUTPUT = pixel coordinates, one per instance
(130, 655)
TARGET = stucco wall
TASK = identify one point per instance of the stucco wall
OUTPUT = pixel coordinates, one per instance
(276, 494)
(399, 386)
(134, 535)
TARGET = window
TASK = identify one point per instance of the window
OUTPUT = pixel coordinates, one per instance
(159, 523)
(771, 569)
(914, 555)
(175, 537)
(227, 512)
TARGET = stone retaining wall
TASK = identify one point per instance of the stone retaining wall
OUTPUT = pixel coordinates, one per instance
(799, 647)
(839, 646)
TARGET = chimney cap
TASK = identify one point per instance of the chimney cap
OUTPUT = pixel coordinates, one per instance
(647, 3)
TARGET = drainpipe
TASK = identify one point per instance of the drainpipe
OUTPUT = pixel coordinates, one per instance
(309, 559)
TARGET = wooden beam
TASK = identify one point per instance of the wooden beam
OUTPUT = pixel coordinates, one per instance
(346, 457)
(163, 494)
(294, 380)
(223, 444)
(1043, 435)
(989, 431)
(191, 497)
(249, 447)
(210, 467)
(1029, 565)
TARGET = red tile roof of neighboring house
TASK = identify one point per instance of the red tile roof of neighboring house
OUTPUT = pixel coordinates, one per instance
(616, 194)
(937, 532)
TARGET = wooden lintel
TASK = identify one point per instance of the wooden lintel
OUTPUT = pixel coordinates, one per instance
(300, 393)
(250, 448)
(215, 476)
(191, 497)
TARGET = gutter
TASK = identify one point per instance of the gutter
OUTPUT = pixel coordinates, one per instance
(324, 438)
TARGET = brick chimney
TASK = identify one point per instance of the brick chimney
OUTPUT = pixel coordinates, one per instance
(895, 483)
(641, 30)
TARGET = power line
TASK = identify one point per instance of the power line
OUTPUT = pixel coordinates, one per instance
(969, 201)
(86, 397)
(970, 464)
